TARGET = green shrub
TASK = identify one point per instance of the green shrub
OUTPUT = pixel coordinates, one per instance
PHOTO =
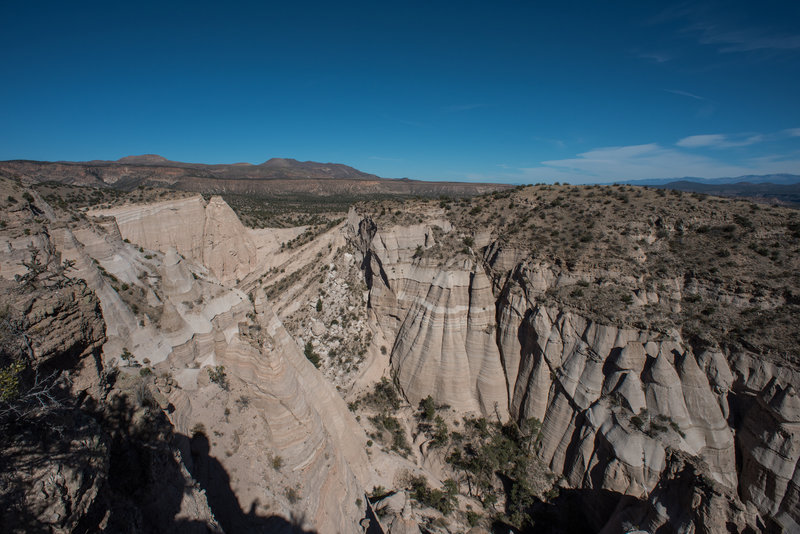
(473, 518)
(127, 357)
(9, 381)
(218, 376)
(384, 396)
(443, 500)
(277, 462)
(311, 355)
(292, 495)
(427, 408)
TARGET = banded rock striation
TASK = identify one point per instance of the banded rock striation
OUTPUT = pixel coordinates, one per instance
(266, 455)
(207, 234)
(477, 330)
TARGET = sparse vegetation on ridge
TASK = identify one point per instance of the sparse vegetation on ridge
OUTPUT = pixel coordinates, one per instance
(624, 245)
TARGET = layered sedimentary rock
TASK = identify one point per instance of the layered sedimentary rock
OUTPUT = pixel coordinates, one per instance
(283, 429)
(301, 420)
(685, 500)
(445, 346)
(208, 234)
(571, 368)
(616, 403)
(643, 415)
(442, 320)
(278, 444)
(770, 445)
(228, 250)
(158, 226)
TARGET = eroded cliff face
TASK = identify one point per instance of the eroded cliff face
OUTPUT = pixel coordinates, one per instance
(770, 446)
(246, 420)
(652, 427)
(207, 234)
(480, 331)
(441, 318)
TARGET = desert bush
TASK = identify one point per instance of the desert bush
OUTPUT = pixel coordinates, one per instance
(427, 408)
(443, 500)
(277, 462)
(217, 375)
(384, 396)
(311, 355)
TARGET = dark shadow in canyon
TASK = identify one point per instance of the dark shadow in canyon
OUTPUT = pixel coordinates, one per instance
(122, 449)
(214, 479)
(577, 511)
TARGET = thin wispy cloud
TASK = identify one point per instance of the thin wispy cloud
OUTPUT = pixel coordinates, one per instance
(745, 40)
(718, 141)
(692, 156)
(655, 57)
(675, 12)
(687, 94)
(630, 163)
(653, 160)
(712, 25)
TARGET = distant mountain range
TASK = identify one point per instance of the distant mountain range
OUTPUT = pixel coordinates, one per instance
(773, 188)
(277, 176)
(281, 176)
(270, 169)
(778, 179)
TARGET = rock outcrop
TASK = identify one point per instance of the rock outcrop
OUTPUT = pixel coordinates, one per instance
(72, 444)
(685, 500)
(618, 404)
(770, 448)
(263, 444)
(442, 319)
(207, 234)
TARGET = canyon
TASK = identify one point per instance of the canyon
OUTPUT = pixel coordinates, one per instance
(547, 358)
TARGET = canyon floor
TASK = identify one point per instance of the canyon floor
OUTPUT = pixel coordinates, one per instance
(547, 358)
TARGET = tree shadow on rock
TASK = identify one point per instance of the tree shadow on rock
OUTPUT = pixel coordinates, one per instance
(111, 466)
(214, 479)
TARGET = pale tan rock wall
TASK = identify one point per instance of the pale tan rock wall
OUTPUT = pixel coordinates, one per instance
(612, 400)
(207, 234)
(770, 446)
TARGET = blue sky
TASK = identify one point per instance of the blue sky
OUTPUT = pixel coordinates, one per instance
(518, 92)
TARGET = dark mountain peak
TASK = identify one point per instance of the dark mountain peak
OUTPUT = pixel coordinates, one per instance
(279, 162)
(144, 159)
